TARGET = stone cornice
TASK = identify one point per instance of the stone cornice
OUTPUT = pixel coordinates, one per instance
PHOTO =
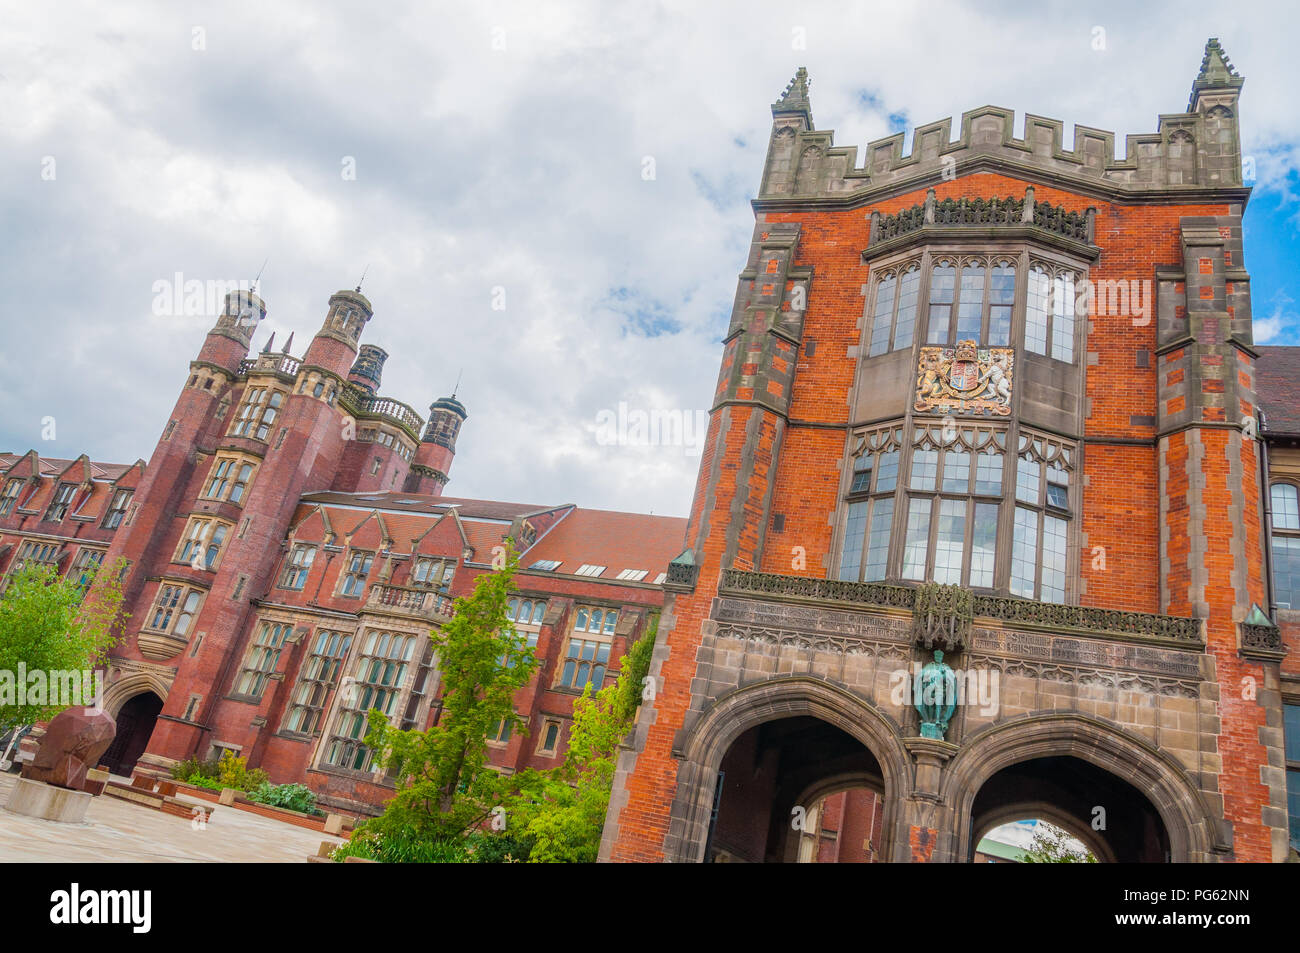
(1115, 194)
(1148, 628)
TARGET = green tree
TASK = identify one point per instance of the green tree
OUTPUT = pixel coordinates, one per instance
(1051, 845)
(558, 816)
(444, 785)
(49, 624)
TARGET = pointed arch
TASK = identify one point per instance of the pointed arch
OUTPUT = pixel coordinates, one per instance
(702, 747)
(1190, 826)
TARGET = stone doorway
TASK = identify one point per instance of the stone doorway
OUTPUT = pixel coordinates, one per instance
(135, 723)
(783, 795)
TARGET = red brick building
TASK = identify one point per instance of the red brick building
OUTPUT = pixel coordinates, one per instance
(289, 548)
(998, 398)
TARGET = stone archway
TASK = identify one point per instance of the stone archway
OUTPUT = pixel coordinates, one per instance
(702, 748)
(135, 717)
(119, 692)
(848, 782)
(1052, 814)
(1051, 740)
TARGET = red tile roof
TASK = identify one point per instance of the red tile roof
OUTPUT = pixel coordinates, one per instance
(418, 503)
(53, 466)
(616, 541)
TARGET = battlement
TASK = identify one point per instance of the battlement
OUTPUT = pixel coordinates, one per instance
(1193, 151)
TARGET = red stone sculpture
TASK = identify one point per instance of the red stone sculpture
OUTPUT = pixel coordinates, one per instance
(73, 742)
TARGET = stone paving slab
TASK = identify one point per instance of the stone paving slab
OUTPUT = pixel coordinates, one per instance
(118, 831)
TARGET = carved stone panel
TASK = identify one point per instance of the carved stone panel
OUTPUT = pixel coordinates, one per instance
(965, 380)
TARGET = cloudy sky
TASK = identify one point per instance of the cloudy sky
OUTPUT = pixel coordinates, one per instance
(478, 153)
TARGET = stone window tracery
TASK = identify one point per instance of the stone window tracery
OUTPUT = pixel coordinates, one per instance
(954, 498)
(1050, 310)
(942, 501)
(944, 298)
(377, 683)
(893, 323)
(979, 292)
(319, 675)
(1040, 534)
(257, 413)
(870, 510)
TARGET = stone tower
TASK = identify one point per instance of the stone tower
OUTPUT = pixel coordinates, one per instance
(994, 397)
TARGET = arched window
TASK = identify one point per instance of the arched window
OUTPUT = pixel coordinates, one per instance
(1050, 311)
(954, 492)
(870, 507)
(894, 314)
(984, 301)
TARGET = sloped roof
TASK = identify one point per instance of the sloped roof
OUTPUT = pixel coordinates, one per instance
(1277, 385)
(54, 466)
(611, 539)
(423, 503)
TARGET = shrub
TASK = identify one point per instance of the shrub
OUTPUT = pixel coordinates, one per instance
(294, 797)
(232, 772)
(401, 846)
(198, 780)
(489, 848)
(193, 767)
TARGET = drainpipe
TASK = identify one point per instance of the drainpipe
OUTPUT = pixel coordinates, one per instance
(1266, 490)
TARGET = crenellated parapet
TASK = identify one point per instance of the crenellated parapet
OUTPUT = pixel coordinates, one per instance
(1199, 149)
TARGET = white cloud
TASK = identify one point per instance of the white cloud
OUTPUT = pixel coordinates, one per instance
(479, 167)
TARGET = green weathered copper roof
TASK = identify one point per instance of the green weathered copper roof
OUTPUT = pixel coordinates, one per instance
(1004, 851)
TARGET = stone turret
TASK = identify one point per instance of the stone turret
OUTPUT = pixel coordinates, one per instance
(230, 338)
(335, 346)
(438, 448)
(369, 368)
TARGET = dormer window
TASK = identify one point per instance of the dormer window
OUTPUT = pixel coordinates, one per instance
(62, 500)
(9, 496)
(298, 567)
(117, 509)
(354, 580)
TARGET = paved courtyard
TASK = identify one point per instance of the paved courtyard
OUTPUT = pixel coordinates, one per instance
(118, 831)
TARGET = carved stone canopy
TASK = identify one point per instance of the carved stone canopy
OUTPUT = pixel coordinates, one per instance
(941, 617)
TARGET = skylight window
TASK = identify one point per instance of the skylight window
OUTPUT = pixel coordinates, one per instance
(546, 565)
(633, 575)
(659, 579)
(587, 569)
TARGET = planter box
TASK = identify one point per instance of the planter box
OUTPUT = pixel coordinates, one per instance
(193, 790)
(230, 797)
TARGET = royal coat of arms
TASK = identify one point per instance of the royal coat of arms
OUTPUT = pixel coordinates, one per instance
(965, 379)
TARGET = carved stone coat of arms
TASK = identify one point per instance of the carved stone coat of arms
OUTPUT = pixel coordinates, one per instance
(965, 379)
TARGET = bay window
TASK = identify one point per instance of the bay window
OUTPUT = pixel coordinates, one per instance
(942, 505)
